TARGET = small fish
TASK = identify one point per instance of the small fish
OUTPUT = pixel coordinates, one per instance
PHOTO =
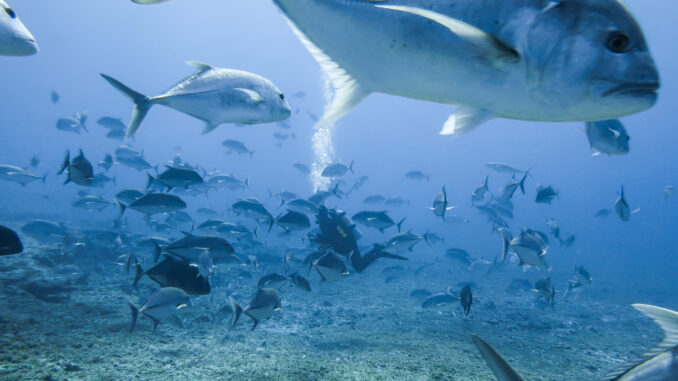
(111, 123)
(237, 147)
(273, 280)
(100, 180)
(478, 194)
(553, 225)
(603, 213)
(545, 195)
(214, 95)
(304, 169)
(161, 304)
(440, 204)
(107, 162)
(45, 231)
(459, 255)
(15, 39)
(669, 191)
(79, 170)
(10, 243)
(261, 306)
(420, 293)
(91, 202)
(568, 241)
(396, 202)
(19, 175)
(336, 170)
(622, 207)
(505, 168)
(417, 175)
(54, 97)
(608, 137)
(300, 281)
(74, 124)
(466, 299)
(374, 199)
(154, 203)
(175, 178)
(376, 219)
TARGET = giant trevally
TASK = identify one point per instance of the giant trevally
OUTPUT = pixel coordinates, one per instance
(440, 204)
(621, 206)
(19, 175)
(261, 306)
(215, 96)
(161, 304)
(74, 123)
(536, 60)
(608, 137)
(15, 39)
(79, 170)
(153, 203)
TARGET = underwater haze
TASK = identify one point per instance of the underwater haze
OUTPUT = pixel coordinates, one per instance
(323, 292)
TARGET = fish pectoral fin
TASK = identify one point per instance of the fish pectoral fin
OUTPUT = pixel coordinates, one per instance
(209, 126)
(252, 95)
(348, 92)
(488, 45)
(465, 119)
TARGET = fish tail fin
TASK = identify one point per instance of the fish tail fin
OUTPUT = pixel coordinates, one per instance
(149, 180)
(335, 191)
(426, 236)
(135, 314)
(501, 369)
(247, 182)
(400, 224)
(156, 251)
(256, 323)
(141, 104)
(123, 207)
(64, 165)
(350, 167)
(237, 311)
(44, 177)
(271, 223)
(138, 273)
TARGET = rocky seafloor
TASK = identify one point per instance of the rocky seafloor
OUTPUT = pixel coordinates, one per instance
(360, 328)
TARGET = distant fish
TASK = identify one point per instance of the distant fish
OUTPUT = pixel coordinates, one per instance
(74, 124)
(337, 170)
(261, 306)
(440, 204)
(54, 97)
(555, 229)
(304, 169)
(272, 280)
(19, 175)
(45, 231)
(214, 95)
(621, 206)
(379, 220)
(669, 191)
(396, 201)
(10, 243)
(545, 195)
(160, 305)
(466, 299)
(175, 178)
(79, 170)
(237, 147)
(505, 168)
(459, 255)
(300, 282)
(603, 213)
(608, 137)
(111, 123)
(100, 180)
(530, 248)
(374, 199)
(545, 290)
(107, 162)
(91, 202)
(417, 175)
(154, 203)
(253, 208)
(478, 194)
(15, 39)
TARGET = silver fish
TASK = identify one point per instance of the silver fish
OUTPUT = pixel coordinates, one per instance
(19, 175)
(215, 96)
(15, 39)
(525, 60)
(608, 137)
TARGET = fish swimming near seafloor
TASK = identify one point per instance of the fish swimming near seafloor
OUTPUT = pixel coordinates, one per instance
(15, 39)
(261, 306)
(526, 60)
(161, 304)
(215, 96)
(19, 175)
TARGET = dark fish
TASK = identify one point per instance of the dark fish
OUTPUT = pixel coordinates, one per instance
(459, 255)
(10, 243)
(300, 281)
(545, 290)
(293, 221)
(417, 175)
(466, 299)
(261, 306)
(54, 97)
(304, 169)
(173, 272)
(161, 304)
(79, 170)
(273, 280)
(545, 195)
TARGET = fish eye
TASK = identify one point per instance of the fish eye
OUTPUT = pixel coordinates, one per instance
(10, 12)
(618, 42)
(282, 96)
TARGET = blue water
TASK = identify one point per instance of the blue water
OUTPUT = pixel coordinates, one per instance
(386, 136)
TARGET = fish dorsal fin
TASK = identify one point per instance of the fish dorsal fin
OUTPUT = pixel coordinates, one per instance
(489, 46)
(465, 119)
(187, 234)
(666, 319)
(348, 92)
(500, 368)
(200, 67)
(252, 95)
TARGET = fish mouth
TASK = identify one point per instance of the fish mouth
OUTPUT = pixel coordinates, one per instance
(633, 88)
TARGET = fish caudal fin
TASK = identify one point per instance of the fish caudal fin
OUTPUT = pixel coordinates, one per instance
(64, 165)
(237, 311)
(501, 369)
(141, 104)
(666, 319)
(135, 314)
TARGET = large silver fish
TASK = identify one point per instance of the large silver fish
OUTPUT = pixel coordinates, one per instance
(15, 39)
(215, 96)
(538, 60)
